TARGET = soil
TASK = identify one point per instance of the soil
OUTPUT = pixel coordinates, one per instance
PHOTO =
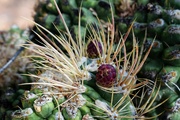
(13, 11)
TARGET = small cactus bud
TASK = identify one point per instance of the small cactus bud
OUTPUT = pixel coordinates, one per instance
(106, 75)
(94, 49)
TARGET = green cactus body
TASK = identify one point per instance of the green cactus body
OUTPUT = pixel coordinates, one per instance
(68, 5)
(151, 69)
(172, 103)
(108, 96)
(56, 115)
(78, 116)
(85, 110)
(58, 99)
(44, 106)
(172, 16)
(74, 31)
(156, 49)
(140, 17)
(156, 27)
(86, 17)
(139, 29)
(50, 20)
(89, 101)
(143, 2)
(92, 93)
(122, 27)
(154, 12)
(173, 116)
(103, 9)
(50, 6)
(169, 75)
(39, 89)
(171, 55)
(171, 3)
(28, 99)
(87, 3)
(171, 34)
(26, 114)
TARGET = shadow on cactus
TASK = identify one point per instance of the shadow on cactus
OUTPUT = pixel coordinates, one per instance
(88, 77)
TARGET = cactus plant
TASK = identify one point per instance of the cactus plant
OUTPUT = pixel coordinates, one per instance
(90, 71)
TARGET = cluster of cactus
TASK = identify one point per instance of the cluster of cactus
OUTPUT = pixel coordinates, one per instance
(10, 92)
(161, 20)
(90, 71)
(162, 24)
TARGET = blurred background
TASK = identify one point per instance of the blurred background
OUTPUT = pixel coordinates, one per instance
(12, 11)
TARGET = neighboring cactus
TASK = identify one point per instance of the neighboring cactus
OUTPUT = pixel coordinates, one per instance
(11, 76)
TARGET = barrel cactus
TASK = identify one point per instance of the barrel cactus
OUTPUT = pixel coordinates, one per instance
(100, 59)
